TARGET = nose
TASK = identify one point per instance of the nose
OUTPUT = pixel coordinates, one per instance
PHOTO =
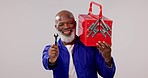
(66, 25)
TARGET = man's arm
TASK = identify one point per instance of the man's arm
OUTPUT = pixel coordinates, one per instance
(103, 69)
(104, 60)
(45, 59)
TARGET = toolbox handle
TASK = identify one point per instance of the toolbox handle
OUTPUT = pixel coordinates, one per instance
(90, 9)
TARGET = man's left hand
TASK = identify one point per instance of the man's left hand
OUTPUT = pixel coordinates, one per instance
(105, 50)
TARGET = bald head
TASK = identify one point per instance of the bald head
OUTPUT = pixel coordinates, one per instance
(64, 14)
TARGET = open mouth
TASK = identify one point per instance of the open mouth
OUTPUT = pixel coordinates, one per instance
(67, 32)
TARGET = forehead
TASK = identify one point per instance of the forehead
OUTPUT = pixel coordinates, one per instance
(64, 17)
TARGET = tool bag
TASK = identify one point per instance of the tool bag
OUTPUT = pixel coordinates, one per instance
(93, 28)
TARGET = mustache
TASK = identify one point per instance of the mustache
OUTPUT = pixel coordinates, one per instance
(66, 29)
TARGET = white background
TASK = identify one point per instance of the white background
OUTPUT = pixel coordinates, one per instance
(27, 26)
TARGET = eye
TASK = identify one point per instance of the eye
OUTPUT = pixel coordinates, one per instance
(70, 22)
(61, 24)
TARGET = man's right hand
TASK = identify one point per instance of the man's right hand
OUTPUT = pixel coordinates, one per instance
(53, 53)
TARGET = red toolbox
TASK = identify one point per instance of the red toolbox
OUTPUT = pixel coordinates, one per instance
(94, 28)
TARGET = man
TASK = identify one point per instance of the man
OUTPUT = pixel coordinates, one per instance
(70, 58)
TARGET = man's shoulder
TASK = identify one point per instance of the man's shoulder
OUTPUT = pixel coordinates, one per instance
(47, 47)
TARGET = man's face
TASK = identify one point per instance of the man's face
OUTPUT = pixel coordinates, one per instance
(66, 26)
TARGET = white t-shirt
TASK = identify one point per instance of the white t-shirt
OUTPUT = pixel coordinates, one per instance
(72, 71)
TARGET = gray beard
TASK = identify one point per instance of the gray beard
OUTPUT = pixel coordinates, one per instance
(67, 39)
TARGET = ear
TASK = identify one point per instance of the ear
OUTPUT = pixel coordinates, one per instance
(56, 26)
(75, 23)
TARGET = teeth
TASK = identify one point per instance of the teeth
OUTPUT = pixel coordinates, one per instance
(66, 32)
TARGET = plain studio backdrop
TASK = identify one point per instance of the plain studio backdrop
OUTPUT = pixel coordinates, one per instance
(27, 26)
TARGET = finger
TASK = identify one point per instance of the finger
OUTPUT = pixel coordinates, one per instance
(107, 45)
(101, 44)
(52, 52)
(53, 49)
(52, 55)
(54, 46)
(108, 48)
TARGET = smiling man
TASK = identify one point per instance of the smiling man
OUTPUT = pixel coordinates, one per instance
(70, 58)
